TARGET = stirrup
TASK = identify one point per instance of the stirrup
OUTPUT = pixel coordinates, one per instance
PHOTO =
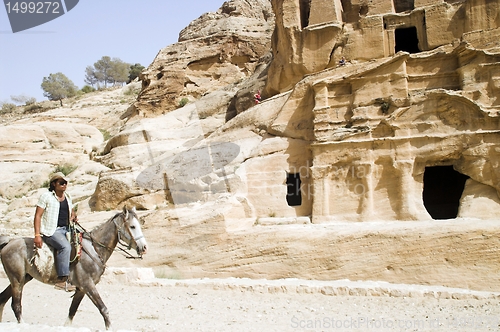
(65, 285)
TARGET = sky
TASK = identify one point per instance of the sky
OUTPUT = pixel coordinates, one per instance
(132, 30)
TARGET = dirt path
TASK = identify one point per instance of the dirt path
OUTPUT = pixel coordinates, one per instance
(285, 305)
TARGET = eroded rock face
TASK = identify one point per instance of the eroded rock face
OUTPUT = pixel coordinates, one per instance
(214, 51)
(376, 135)
(59, 138)
(30, 152)
(347, 141)
(269, 189)
(312, 35)
(359, 140)
(383, 92)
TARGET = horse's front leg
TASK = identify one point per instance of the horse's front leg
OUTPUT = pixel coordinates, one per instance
(94, 296)
(77, 299)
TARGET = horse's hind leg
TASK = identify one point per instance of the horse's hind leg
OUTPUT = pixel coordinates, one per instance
(4, 297)
(77, 298)
(17, 293)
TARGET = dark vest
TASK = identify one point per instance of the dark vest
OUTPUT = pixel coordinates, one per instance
(63, 213)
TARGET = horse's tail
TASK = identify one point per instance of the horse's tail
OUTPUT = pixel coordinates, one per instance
(4, 239)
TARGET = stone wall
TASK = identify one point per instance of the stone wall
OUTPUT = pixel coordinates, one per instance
(313, 37)
(377, 122)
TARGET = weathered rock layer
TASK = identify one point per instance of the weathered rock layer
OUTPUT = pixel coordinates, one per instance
(384, 112)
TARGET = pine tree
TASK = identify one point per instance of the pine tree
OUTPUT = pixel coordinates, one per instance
(57, 87)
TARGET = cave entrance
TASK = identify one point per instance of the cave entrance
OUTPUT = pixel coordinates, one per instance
(293, 192)
(443, 187)
(406, 40)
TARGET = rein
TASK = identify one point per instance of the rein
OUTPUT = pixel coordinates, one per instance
(121, 245)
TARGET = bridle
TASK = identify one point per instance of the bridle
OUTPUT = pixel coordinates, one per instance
(121, 245)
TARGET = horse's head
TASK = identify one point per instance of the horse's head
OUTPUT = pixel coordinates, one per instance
(130, 231)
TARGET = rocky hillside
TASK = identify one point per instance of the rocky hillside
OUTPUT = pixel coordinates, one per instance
(56, 138)
(216, 51)
(218, 62)
(105, 140)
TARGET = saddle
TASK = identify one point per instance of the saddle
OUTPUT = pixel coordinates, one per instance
(44, 258)
(43, 261)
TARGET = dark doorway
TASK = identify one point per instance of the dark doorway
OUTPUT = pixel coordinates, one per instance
(403, 5)
(443, 187)
(406, 40)
(305, 11)
(293, 193)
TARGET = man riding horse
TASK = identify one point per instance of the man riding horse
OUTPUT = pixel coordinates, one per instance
(18, 260)
(54, 212)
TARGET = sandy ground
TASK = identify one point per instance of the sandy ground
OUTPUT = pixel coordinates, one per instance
(260, 305)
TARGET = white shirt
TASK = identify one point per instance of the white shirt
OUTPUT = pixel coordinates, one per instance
(50, 203)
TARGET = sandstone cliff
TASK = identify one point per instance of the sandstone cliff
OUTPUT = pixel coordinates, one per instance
(214, 51)
(382, 112)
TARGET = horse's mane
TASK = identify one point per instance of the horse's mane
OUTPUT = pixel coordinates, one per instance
(98, 227)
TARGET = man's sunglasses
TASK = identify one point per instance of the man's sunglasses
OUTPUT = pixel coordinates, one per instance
(62, 183)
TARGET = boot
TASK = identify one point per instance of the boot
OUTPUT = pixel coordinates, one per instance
(65, 285)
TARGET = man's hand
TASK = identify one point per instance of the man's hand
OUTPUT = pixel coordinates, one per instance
(38, 241)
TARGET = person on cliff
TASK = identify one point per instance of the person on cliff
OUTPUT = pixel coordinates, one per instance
(54, 212)
(257, 97)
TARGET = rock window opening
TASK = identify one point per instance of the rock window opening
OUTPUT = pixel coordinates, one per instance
(305, 11)
(406, 40)
(293, 193)
(443, 187)
(403, 5)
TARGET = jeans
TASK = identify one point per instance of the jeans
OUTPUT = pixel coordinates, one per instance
(59, 242)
